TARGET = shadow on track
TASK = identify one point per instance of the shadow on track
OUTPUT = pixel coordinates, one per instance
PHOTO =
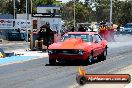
(73, 63)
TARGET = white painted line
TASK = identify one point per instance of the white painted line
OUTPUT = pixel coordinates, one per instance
(129, 85)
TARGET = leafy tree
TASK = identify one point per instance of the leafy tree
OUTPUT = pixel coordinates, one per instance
(102, 10)
(82, 12)
(122, 11)
(43, 2)
(117, 8)
(2, 6)
(126, 13)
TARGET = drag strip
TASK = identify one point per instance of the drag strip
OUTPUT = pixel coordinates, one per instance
(36, 74)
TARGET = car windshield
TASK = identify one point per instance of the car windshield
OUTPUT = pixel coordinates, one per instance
(128, 26)
(84, 37)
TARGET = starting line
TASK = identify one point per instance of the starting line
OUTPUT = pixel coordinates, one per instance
(14, 59)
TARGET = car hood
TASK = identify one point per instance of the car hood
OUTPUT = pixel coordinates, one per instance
(71, 43)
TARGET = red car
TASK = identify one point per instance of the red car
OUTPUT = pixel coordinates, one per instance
(84, 46)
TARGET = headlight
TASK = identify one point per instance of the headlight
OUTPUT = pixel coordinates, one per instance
(50, 51)
(80, 52)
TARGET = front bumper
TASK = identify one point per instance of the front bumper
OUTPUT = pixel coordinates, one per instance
(84, 56)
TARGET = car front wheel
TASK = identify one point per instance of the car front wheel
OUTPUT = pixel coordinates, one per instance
(89, 60)
(52, 61)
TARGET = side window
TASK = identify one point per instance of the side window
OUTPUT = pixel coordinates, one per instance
(66, 36)
(90, 38)
(97, 38)
(84, 38)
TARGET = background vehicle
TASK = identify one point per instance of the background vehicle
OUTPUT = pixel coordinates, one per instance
(16, 36)
(128, 28)
(84, 46)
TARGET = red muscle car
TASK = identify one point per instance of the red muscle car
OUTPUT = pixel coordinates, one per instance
(84, 46)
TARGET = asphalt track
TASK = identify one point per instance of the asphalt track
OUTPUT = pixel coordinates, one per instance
(39, 74)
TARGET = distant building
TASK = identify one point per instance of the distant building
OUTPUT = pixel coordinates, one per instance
(49, 14)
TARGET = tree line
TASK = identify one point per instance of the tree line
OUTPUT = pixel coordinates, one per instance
(122, 10)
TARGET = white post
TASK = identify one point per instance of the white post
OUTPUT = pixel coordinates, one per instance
(74, 14)
(31, 37)
(110, 12)
(26, 21)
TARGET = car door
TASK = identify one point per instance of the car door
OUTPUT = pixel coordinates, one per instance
(97, 45)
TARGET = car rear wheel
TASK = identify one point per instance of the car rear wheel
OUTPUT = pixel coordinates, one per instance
(52, 61)
(105, 54)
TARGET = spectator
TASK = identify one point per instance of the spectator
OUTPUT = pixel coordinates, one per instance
(118, 30)
(73, 29)
(81, 29)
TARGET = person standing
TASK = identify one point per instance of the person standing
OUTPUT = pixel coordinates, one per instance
(102, 31)
(73, 29)
(81, 29)
(118, 30)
